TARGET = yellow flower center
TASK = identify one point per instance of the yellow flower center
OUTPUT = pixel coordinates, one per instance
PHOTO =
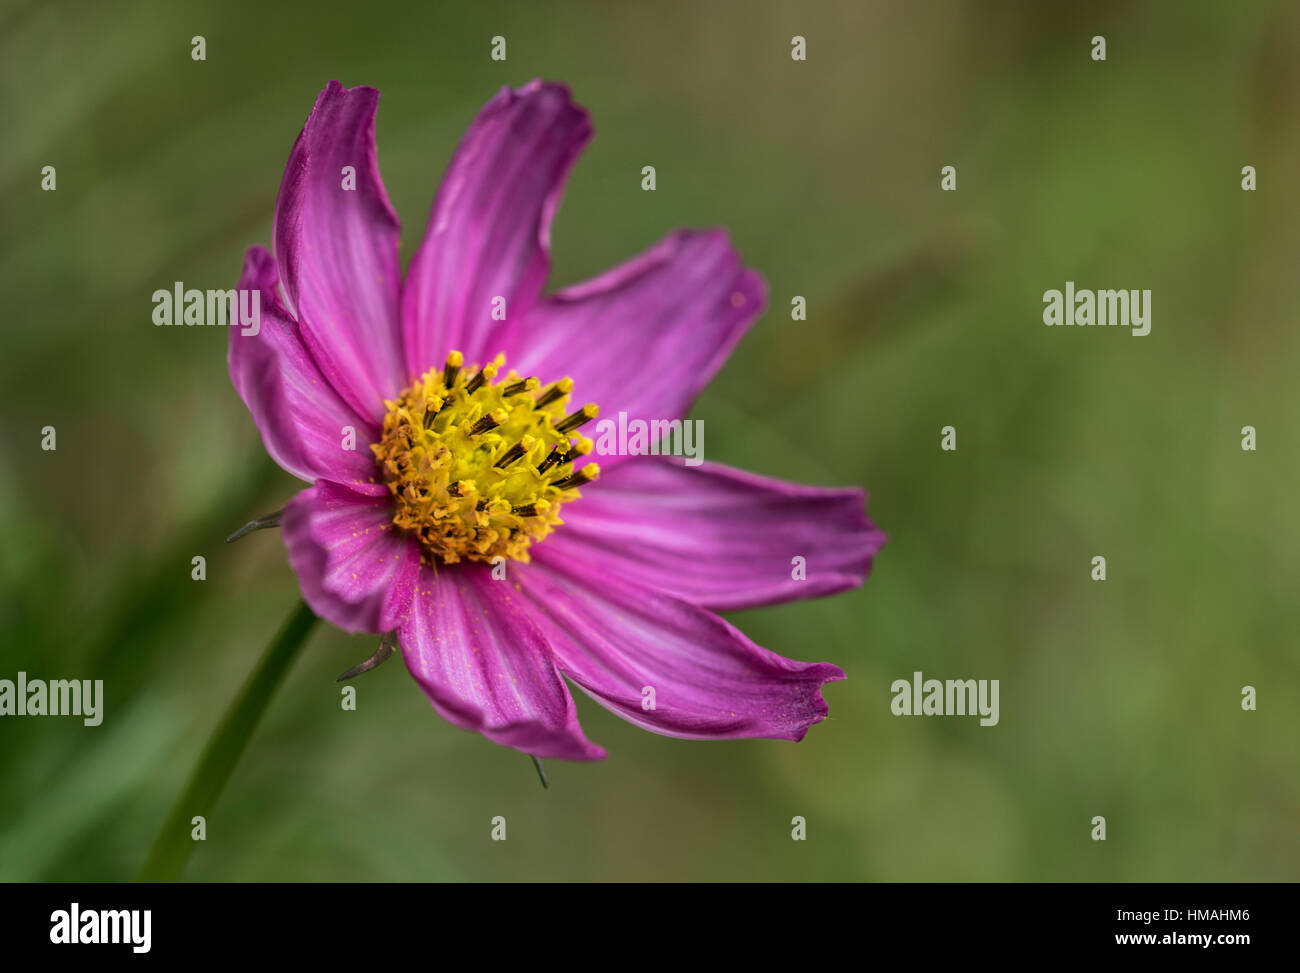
(479, 468)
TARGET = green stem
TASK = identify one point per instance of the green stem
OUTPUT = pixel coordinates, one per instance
(172, 848)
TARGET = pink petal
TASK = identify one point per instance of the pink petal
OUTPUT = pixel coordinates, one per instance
(490, 226)
(647, 336)
(302, 420)
(716, 536)
(354, 569)
(616, 639)
(337, 249)
(485, 667)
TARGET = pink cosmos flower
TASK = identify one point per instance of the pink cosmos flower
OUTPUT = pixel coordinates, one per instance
(438, 523)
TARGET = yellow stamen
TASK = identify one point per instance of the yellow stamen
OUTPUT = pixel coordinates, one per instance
(557, 392)
(583, 415)
(452, 368)
(482, 471)
(584, 475)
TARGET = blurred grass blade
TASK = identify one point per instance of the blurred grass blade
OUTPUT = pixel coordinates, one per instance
(172, 848)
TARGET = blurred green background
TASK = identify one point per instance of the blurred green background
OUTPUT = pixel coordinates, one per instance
(1119, 699)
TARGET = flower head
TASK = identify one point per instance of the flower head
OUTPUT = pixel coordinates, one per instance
(455, 505)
